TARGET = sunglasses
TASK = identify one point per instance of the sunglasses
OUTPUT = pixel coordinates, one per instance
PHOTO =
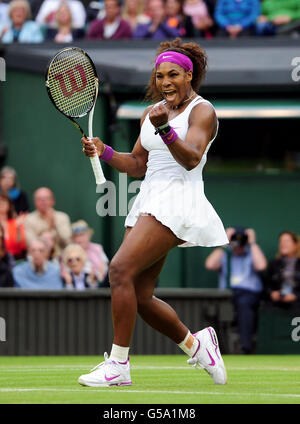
(75, 259)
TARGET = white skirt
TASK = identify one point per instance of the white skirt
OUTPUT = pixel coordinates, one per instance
(182, 206)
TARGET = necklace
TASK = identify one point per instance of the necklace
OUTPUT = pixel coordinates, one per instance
(184, 101)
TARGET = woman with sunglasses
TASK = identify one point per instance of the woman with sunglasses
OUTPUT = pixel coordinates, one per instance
(74, 268)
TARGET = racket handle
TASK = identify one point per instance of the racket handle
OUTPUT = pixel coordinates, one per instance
(99, 176)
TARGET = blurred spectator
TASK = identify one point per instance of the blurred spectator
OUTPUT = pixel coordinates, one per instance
(236, 17)
(82, 234)
(238, 266)
(20, 28)
(157, 28)
(9, 186)
(45, 217)
(6, 263)
(46, 14)
(113, 26)
(95, 10)
(177, 19)
(37, 272)
(283, 276)
(52, 255)
(14, 233)
(64, 33)
(281, 17)
(202, 21)
(75, 276)
(3, 12)
(134, 13)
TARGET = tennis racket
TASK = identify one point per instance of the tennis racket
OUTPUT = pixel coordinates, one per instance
(72, 85)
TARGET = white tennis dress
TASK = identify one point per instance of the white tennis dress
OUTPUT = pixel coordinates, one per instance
(174, 195)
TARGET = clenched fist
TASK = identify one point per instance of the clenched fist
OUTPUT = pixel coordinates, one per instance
(159, 115)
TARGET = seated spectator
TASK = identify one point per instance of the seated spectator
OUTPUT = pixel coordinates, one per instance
(82, 234)
(239, 265)
(201, 19)
(177, 19)
(46, 14)
(52, 255)
(64, 33)
(9, 186)
(45, 217)
(3, 12)
(157, 28)
(6, 263)
(283, 276)
(20, 29)
(14, 232)
(236, 18)
(73, 272)
(134, 13)
(279, 17)
(112, 27)
(37, 272)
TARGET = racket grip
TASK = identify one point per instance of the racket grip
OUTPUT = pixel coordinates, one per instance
(99, 176)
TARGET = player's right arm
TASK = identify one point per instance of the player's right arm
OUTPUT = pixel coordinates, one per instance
(133, 164)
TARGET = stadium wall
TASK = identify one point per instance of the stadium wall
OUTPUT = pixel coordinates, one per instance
(79, 323)
(45, 149)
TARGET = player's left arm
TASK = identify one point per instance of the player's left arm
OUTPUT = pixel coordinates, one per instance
(202, 128)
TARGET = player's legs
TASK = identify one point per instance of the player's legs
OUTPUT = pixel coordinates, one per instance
(155, 312)
(147, 243)
(133, 273)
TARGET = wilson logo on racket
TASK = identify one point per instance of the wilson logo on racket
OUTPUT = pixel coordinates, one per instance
(70, 74)
(72, 86)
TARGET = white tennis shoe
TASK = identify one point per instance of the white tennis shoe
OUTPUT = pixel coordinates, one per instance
(107, 373)
(208, 355)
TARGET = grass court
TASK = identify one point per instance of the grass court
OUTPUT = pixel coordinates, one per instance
(257, 379)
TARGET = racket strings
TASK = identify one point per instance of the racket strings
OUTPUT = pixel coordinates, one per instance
(72, 82)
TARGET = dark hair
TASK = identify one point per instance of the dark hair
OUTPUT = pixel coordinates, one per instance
(293, 235)
(119, 2)
(193, 51)
(11, 210)
(2, 236)
(181, 3)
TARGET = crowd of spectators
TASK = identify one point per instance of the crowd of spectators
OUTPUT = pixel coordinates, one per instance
(64, 21)
(42, 249)
(244, 269)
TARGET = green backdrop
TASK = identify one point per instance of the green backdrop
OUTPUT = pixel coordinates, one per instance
(45, 149)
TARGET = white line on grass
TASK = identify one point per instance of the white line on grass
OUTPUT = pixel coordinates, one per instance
(177, 392)
(136, 367)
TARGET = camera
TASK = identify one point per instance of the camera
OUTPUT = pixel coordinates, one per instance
(239, 238)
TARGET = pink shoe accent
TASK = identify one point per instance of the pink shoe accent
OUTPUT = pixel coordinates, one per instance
(197, 349)
(111, 378)
(213, 362)
(212, 338)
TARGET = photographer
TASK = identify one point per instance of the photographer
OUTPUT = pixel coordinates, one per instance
(239, 265)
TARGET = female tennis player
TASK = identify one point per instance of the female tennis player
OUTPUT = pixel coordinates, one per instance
(170, 210)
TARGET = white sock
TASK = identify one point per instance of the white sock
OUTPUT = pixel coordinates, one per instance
(190, 344)
(119, 353)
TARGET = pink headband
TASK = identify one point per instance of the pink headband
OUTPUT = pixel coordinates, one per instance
(175, 57)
